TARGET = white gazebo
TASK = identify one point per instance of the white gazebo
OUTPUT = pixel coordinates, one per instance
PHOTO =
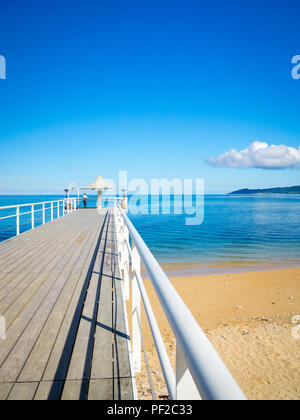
(99, 184)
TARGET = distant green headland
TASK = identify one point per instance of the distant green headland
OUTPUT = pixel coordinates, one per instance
(279, 190)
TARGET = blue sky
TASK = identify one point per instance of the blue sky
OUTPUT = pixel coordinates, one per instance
(152, 87)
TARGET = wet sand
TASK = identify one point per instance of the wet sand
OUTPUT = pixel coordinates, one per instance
(249, 318)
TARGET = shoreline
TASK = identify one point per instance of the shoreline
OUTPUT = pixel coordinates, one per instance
(248, 317)
(194, 269)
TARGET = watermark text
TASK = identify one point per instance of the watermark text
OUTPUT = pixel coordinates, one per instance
(164, 196)
(296, 68)
(2, 67)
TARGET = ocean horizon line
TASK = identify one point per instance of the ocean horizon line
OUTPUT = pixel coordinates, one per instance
(60, 194)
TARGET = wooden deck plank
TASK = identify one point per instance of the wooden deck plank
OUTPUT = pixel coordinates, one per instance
(44, 263)
(13, 244)
(19, 250)
(20, 304)
(15, 360)
(35, 303)
(111, 389)
(49, 390)
(101, 389)
(34, 262)
(20, 253)
(75, 390)
(26, 237)
(80, 364)
(30, 262)
(102, 364)
(58, 363)
(37, 236)
(23, 391)
(21, 322)
(27, 254)
(19, 281)
(37, 361)
(5, 390)
(110, 366)
(123, 389)
(66, 336)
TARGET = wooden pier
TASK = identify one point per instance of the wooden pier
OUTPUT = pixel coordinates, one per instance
(61, 297)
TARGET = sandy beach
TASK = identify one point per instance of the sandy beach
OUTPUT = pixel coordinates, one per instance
(250, 319)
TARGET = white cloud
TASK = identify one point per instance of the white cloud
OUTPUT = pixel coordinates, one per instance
(259, 155)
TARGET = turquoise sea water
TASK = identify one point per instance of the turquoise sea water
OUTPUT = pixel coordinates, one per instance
(240, 229)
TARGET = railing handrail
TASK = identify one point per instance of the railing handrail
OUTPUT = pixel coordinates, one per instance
(212, 378)
(55, 201)
(54, 205)
(24, 214)
(36, 204)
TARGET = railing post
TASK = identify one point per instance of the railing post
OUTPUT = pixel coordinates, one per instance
(32, 216)
(136, 313)
(122, 245)
(122, 235)
(51, 211)
(58, 209)
(18, 221)
(185, 386)
(126, 261)
(43, 213)
(126, 281)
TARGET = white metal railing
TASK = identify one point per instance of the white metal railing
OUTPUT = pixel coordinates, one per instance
(110, 202)
(60, 207)
(200, 372)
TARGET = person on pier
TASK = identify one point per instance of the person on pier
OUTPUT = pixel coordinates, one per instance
(84, 198)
